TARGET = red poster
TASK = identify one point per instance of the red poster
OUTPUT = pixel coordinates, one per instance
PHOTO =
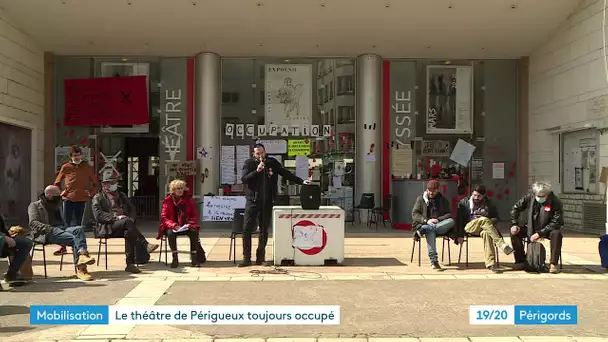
(106, 101)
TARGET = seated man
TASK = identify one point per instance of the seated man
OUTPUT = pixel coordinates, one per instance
(48, 226)
(478, 216)
(544, 221)
(431, 216)
(18, 247)
(115, 217)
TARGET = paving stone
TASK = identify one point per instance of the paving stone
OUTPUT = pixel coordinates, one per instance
(495, 339)
(103, 338)
(445, 339)
(396, 339)
(214, 279)
(100, 330)
(291, 340)
(590, 339)
(406, 277)
(546, 339)
(438, 276)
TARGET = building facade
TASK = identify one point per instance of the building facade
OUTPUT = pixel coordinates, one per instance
(529, 98)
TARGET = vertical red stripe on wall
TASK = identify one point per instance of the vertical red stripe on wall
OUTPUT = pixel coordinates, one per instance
(190, 118)
(386, 131)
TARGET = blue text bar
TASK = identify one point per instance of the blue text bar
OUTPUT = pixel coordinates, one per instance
(69, 314)
(546, 314)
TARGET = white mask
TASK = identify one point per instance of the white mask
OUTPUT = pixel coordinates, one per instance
(113, 187)
(77, 162)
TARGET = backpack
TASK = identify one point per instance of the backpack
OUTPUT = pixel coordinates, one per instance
(141, 253)
(603, 247)
(536, 256)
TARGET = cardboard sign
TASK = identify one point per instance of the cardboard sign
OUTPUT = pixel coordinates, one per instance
(185, 168)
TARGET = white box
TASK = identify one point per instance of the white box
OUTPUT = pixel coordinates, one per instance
(308, 237)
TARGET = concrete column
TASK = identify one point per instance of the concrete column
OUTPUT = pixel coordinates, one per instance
(368, 139)
(207, 119)
(49, 120)
(523, 130)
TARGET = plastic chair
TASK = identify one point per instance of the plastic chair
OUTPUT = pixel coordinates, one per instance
(379, 212)
(368, 203)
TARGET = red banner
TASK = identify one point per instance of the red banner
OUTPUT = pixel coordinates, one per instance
(106, 101)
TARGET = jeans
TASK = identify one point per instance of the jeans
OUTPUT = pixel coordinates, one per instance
(69, 236)
(431, 232)
(172, 237)
(22, 249)
(73, 210)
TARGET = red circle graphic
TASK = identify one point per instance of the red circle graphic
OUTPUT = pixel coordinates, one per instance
(314, 250)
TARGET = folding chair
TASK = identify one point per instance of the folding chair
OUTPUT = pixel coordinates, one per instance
(445, 239)
(43, 245)
(466, 241)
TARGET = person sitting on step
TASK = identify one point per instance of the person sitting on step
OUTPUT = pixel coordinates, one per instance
(48, 226)
(115, 217)
(478, 216)
(179, 217)
(431, 216)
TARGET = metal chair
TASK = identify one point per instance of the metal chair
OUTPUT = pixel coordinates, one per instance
(445, 239)
(378, 213)
(237, 229)
(466, 241)
(43, 245)
(368, 203)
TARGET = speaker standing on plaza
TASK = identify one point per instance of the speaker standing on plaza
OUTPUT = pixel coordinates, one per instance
(260, 176)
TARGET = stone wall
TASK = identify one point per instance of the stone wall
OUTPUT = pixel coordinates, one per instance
(573, 209)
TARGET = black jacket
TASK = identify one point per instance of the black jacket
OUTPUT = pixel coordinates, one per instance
(102, 212)
(419, 212)
(463, 214)
(551, 214)
(251, 177)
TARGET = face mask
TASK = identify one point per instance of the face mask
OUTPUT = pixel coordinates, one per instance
(113, 187)
(77, 161)
(55, 199)
(540, 200)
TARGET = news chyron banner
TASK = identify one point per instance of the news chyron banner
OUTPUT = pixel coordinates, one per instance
(177, 315)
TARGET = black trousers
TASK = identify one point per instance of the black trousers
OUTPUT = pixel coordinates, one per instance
(126, 228)
(256, 214)
(172, 238)
(555, 238)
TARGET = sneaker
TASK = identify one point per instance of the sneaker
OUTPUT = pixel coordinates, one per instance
(151, 248)
(83, 274)
(519, 266)
(554, 269)
(435, 266)
(245, 263)
(85, 259)
(507, 249)
(60, 251)
(494, 269)
(132, 269)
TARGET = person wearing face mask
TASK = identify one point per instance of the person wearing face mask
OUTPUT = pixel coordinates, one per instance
(544, 220)
(80, 185)
(432, 217)
(478, 216)
(115, 217)
(48, 226)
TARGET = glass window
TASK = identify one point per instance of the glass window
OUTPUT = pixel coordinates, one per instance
(579, 161)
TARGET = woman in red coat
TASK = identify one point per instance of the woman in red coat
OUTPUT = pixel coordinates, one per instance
(179, 217)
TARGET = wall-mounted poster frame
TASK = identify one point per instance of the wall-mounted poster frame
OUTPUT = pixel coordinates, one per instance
(19, 182)
(449, 99)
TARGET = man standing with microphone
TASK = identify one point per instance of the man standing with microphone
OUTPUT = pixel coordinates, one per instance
(260, 176)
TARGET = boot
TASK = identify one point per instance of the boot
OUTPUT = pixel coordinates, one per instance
(175, 261)
(194, 259)
(245, 263)
(131, 268)
(85, 259)
(82, 273)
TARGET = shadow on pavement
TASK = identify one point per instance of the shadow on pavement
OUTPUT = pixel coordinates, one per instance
(13, 330)
(54, 286)
(7, 310)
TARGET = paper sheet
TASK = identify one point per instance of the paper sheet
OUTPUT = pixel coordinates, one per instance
(181, 229)
(227, 162)
(370, 158)
(242, 154)
(401, 160)
(337, 182)
(498, 170)
(307, 237)
(462, 153)
(302, 167)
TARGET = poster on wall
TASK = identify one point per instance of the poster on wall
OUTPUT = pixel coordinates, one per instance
(288, 89)
(589, 158)
(16, 166)
(449, 99)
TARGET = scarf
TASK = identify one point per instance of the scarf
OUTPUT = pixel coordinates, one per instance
(180, 210)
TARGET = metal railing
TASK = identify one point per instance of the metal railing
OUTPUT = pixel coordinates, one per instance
(146, 207)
